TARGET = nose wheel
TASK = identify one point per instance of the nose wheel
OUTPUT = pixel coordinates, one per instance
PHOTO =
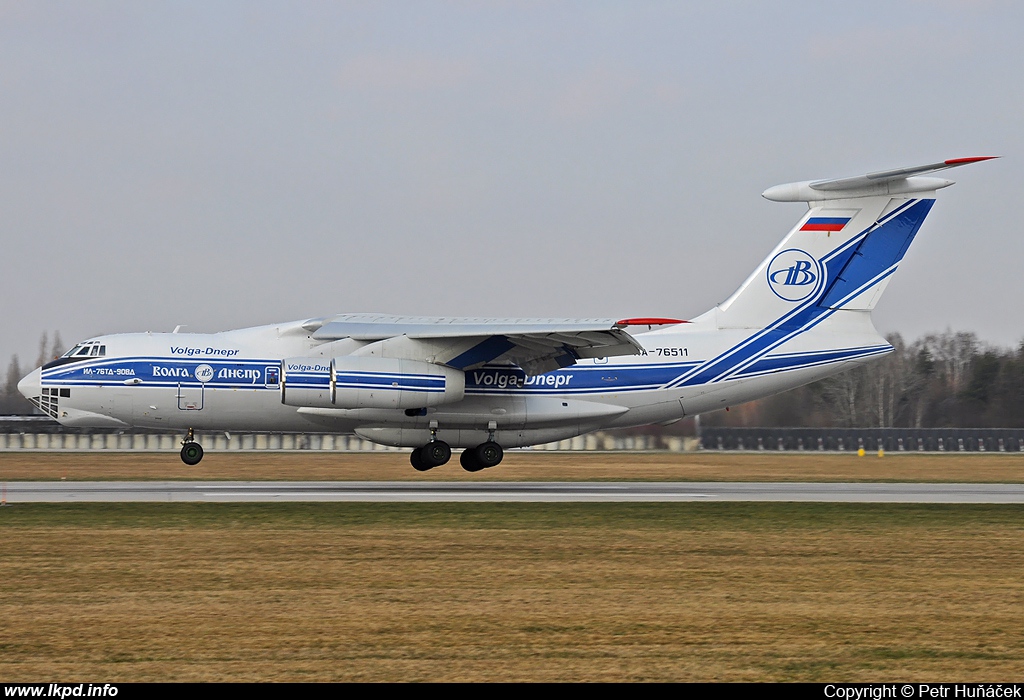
(191, 451)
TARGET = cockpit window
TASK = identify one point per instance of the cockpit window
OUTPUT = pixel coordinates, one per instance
(88, 348)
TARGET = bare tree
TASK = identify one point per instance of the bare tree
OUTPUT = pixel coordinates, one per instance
(13, 377)
(57, 348)
(892, 383)
(12, 401)
(953, 354)
(842, 395)
(44, 348)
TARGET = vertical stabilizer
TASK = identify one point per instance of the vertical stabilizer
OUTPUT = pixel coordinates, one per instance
(842, 253)
(806, 265)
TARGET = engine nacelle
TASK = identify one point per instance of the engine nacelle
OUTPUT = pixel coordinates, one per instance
(381, 382)
(369, 382)
(306, 381)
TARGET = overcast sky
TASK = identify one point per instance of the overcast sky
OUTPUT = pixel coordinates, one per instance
(223, 164)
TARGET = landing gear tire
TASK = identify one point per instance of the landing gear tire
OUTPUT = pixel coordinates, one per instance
(469, 462)
(435, 453)
(191, 453)
(417, 460)
(488, 454)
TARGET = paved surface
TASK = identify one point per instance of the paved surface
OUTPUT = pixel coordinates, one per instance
(439, 491)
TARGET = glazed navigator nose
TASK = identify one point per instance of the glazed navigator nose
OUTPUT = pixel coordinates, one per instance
(31, 386)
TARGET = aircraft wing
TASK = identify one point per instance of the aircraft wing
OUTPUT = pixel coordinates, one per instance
(536, 345)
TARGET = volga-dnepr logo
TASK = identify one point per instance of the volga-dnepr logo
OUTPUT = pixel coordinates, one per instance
(794, 275)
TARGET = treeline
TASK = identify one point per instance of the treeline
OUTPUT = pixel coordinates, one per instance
(942, 380)
(11, 401)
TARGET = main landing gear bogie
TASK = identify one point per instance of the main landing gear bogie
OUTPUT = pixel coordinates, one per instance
(473, 459)
(191, 451)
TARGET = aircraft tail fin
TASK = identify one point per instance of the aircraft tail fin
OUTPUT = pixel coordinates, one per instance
(842, 252)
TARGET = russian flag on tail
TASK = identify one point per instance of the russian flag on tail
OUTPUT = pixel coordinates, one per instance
(825, 223)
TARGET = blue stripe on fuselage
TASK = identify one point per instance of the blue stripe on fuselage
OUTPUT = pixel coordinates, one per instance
(162, 371)
(777, 363)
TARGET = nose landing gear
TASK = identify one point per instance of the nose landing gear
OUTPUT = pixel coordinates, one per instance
(191, 451)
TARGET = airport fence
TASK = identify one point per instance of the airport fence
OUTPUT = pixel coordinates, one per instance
(869, 439)
(39, 433)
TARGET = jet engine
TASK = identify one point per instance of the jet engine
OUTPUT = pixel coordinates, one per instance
(369, 382)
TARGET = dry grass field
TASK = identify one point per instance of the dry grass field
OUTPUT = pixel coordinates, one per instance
(522, 466)
(488, 592)
(656, 591)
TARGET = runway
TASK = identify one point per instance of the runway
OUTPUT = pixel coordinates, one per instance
(453, 492)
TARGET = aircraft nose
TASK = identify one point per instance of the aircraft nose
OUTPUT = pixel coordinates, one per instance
(31, 386)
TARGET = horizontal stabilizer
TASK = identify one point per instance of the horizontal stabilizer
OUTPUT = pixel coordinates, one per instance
(885, 182)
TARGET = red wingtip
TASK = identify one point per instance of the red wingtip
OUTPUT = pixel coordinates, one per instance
(961, 161)
(649, 322)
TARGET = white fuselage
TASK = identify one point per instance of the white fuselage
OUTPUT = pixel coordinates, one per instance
(235, 381)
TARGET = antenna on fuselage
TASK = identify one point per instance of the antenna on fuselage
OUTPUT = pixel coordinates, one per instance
(178, 327)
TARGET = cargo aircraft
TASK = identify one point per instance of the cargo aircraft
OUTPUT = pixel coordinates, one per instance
(488, 384)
